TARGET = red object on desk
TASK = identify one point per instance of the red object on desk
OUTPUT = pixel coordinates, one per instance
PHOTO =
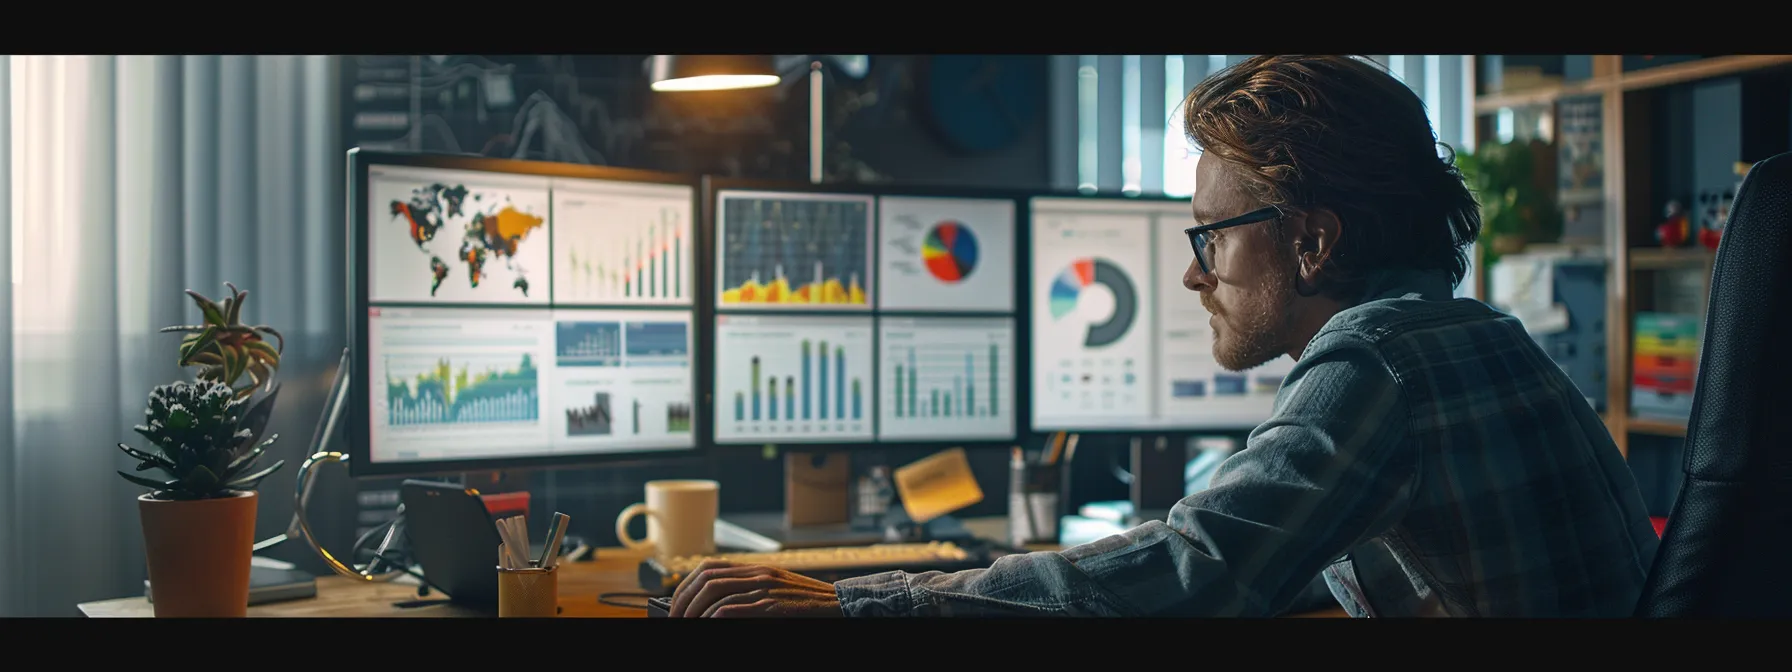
(507, 504)
(1661, 525)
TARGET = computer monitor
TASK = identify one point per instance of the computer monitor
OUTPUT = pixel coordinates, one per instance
(946, 318)
(1118, 343)
(515, 314)
(853, 315)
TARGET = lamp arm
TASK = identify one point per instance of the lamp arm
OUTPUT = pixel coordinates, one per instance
(816, 147)
(307, 474)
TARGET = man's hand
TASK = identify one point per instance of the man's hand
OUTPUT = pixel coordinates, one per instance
(727, 590)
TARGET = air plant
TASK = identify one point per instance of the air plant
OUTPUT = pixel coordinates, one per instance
(225, 349)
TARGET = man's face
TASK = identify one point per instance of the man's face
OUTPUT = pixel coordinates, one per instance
(1251, 289)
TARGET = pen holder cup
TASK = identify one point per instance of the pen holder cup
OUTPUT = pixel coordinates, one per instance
(528, 593)
(1033, 503)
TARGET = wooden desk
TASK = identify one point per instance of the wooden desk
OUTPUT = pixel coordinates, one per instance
(613, 571)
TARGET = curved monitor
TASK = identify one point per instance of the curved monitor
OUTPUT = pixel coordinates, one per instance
(512, 314)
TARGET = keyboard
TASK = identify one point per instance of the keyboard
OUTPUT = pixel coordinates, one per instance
(662, 576)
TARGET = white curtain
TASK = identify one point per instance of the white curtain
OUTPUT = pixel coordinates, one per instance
(128, 180)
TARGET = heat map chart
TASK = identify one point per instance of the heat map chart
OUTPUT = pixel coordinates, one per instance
(946, 254)
(793, 251)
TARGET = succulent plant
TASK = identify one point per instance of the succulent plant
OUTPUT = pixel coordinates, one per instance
(205, 437)
(225, 349)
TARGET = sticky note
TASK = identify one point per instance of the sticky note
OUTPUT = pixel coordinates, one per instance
(937, 485)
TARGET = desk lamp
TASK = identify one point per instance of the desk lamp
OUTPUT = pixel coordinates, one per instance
(717, 73)
(307, 477)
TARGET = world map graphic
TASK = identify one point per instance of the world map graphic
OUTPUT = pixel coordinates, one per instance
(489, 227)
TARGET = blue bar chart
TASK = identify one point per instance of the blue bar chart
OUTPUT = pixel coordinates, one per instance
(792, 378)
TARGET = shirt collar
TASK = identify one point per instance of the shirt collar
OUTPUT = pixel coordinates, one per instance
(1430, 285)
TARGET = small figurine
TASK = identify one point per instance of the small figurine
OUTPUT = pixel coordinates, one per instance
(1677, 230)
(1713, 230)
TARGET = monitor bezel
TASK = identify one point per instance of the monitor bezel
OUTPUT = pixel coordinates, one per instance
(359, 412)
(712, 188)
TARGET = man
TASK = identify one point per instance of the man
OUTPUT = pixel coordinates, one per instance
(1424, 456)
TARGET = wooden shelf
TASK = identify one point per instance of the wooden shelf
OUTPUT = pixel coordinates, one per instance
(1666, 75)
(1660, 258)
(1495, 102)
(1656, 427)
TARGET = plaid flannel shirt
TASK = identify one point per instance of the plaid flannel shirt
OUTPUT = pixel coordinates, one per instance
(1424, 457)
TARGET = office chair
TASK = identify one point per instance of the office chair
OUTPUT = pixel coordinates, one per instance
(1729, 536)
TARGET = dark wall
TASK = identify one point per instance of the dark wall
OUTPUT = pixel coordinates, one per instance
(600, 110)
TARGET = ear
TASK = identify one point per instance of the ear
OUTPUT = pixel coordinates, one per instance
(1316, 233)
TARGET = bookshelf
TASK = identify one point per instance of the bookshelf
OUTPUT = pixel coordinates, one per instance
(1669, 126)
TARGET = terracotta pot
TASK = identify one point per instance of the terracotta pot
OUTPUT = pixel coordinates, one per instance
(1508, 244)
(198, 554)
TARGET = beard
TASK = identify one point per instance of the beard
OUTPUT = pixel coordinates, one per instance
(1252, 328)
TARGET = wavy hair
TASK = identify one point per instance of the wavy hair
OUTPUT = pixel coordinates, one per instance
(1337, 132)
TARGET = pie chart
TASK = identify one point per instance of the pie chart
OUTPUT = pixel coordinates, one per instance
(950, 252)
(1082, 273)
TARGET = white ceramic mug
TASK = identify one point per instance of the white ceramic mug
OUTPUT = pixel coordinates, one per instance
(681, 518)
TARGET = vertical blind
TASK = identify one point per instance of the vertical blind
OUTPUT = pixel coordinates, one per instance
(1116, 120)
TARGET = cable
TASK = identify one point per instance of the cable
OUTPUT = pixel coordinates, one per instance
(609, 599)
(360, 545)
(406, 568)
(1119, 471)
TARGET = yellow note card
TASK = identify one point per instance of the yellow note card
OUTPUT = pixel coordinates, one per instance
(937, 485)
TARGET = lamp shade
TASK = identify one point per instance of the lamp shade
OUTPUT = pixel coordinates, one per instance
(690, 72)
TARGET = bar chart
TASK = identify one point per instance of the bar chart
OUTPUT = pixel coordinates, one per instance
(946, 378)
(792, 378)
(588, 344)
(623, 378)
(622, 244)
(592, 419)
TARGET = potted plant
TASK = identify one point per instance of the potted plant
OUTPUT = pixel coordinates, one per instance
(205, 435)
(1517, 205)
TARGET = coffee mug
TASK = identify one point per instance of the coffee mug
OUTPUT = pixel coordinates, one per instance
(681, 518)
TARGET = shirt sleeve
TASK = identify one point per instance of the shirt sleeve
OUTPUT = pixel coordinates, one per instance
(1328, 470)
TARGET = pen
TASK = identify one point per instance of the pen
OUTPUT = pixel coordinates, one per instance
(519, 538)
(550, 550)
(1049, 451)
(514, 559)
(504, 558)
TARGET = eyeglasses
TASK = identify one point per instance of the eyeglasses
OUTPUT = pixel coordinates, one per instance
(1198, 235)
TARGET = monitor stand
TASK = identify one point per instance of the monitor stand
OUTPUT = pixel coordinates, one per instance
(818, 512)
(1158, 483)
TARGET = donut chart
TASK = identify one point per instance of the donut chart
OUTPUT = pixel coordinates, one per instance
(950, 252)
(1069, 285)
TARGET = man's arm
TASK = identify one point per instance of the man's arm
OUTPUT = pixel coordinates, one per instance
(1324, 473)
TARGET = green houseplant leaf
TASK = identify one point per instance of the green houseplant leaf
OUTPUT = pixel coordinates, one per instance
(206, 435)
